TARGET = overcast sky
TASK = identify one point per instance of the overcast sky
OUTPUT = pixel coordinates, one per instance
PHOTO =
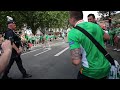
(85, 14)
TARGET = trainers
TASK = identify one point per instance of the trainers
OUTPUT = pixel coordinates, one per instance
(27, 76)
(118, 50)
(115, 49)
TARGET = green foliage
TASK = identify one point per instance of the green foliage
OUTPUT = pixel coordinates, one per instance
(103, 13)
(36, 19)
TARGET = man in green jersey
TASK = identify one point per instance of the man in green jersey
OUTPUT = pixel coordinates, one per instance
(94, 64)
(33, 39)
(26, 37)
(111, 33)
(46, 41)
(41, 38)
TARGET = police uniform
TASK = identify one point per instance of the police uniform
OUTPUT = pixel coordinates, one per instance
(10, 35)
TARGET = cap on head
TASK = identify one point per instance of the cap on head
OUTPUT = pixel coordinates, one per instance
(11, 21)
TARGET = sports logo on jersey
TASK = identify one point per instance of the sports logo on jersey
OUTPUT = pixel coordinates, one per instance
(70, 43)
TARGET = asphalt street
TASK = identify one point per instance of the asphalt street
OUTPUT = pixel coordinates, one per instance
(54, 63)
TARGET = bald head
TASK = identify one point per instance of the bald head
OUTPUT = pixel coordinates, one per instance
(75, 16)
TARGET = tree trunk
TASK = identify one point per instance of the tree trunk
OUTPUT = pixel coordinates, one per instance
(42, 30)
(67, 25)
(109, 13)
(33, 29)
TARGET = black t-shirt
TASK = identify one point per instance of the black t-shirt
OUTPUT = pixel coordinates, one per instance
(10, 35)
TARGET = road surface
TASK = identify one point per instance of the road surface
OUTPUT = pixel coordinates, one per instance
(54, 63)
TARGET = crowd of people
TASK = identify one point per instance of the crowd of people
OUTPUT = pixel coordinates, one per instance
(113, 31)
(30, 40)
(94, 63)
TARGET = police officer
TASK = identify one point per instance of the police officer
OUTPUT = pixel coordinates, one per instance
(16, 50)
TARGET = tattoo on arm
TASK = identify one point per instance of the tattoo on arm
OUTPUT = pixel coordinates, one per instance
(76, 54)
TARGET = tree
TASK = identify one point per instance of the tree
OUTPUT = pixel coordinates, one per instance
(3, 21)
(3, 15)
(106, 15)
(44, 19)
(103, 14)
(36, 19)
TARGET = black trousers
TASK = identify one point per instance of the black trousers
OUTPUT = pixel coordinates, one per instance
(19, 64)
(81, 76)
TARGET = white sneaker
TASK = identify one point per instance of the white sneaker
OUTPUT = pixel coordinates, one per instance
(115, 49)
(118, 50)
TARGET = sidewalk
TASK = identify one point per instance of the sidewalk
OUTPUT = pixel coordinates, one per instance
(50, 42)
